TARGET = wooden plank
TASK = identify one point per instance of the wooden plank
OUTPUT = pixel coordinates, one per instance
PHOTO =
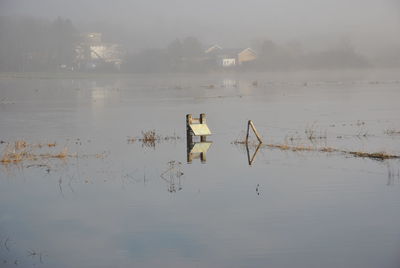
(255, 131)
(188, 129)
(200, 129)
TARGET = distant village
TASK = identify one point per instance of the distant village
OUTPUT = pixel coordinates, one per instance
(93, 54)
(30, 45)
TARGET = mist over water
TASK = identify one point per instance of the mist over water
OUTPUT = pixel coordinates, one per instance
(370, 28)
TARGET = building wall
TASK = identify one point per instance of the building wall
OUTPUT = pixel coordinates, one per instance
(98, 52)
(247, 55)
(92, 38)
(228, 62)
(91, 51)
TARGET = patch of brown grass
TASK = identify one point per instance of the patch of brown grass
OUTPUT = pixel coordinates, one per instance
(149, 138)
(61, 155)
(16, 152)
(286, 147)
(236, 142)
(392, 132)
(20, 144)
(378, 155)
(21, 151)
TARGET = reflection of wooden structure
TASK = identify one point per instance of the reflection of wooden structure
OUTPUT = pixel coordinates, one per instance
(251, 160)
(197, 127)
(198, 150)
(173, 176)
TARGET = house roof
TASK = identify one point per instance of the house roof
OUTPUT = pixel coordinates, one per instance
(249, 50)
(216, 50)
(213, 49)
(230, 51)
(200, 129)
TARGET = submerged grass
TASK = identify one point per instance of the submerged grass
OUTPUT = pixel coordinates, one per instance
(21, 150)
(392, 132)
(300, 148)
(312, 133)
(377, 155)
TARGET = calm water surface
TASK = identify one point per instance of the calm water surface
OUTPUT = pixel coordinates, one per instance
(288, 209)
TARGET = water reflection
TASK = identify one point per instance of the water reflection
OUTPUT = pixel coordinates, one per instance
(393, 175)
(103, 93)
(229, 83)
(304, 210)
(172, 176)
(197, 150)
(11, 254)
(253, 156)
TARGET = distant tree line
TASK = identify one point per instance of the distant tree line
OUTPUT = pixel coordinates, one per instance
(31, 44)
(179, 56)
(292, 56)
(188, 55)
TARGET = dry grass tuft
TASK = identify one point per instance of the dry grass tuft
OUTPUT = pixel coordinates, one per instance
(131, 139)
(20, 144)
(63, 154)
(149, 136)
(328, 150)
(378, 156)
(392, 132)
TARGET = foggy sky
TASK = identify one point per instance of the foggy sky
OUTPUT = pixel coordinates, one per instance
(368, 24)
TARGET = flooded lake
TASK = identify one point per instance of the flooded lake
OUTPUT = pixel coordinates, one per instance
(114, 200)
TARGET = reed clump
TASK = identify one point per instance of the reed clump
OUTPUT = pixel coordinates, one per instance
(150, 138)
